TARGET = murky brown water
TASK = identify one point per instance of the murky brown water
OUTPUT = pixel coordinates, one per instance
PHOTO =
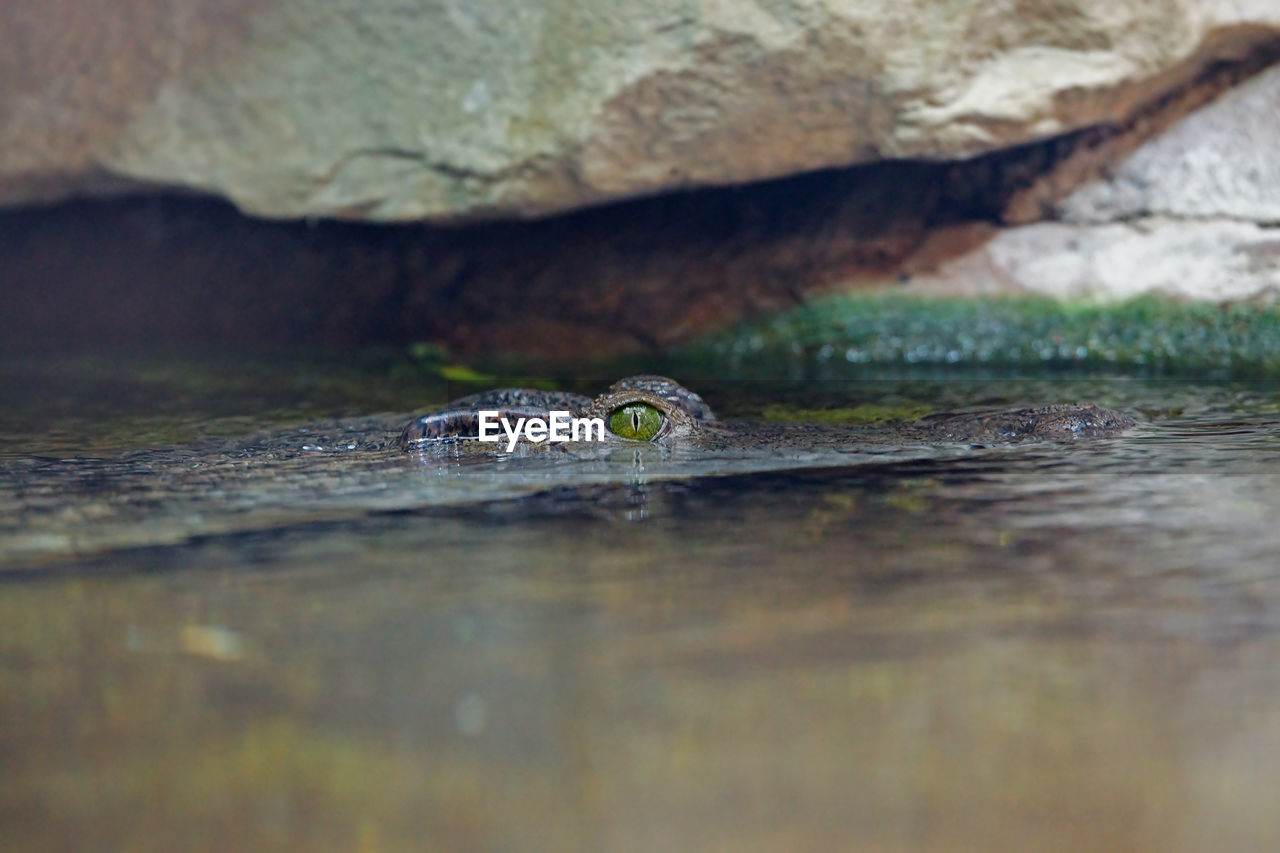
(1043, 648)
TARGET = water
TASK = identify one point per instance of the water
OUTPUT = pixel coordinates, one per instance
(1042, 647)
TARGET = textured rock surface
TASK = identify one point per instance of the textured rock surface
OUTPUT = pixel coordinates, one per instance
(1195, 213)
(1185, 204)
(645, 275)
(1218, 259)
(385, 110)
(1222, 162)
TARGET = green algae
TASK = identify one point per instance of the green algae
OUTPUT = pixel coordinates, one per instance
(1146, 335)
(102, 403)
(868, 413)
(880, 333)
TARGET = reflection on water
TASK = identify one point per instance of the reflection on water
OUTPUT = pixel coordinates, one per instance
(1048, 647)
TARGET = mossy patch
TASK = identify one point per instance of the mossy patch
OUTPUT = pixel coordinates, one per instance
(1146, 335)
(862, 414)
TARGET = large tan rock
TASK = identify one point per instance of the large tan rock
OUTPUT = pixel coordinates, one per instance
(457, 109)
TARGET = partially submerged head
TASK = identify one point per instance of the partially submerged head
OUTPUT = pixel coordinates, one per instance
(636, 409)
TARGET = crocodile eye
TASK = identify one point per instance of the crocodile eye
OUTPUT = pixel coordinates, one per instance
(636, 421)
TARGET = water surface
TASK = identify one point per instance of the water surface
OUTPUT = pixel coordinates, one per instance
(1043, 647)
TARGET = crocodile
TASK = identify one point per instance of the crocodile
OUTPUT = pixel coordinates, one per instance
(661, 411)
(55, 510)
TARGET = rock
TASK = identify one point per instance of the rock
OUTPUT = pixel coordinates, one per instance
(1218, 163)
(473, 109)
(1218, 260)
(1193, 213)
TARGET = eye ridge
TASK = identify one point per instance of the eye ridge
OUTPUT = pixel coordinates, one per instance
(638, 421)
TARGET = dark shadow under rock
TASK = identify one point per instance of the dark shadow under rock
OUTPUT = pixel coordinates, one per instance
(640, 276)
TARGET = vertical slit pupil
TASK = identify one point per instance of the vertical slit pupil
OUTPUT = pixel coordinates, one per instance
(635, 420)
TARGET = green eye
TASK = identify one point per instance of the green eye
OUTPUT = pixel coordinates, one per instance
(636, 421)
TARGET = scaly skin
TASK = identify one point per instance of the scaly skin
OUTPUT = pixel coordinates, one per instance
(688, 421)
(52, 509)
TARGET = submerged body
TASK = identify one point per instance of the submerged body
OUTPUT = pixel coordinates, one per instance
(660, 411)
(656, 430)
